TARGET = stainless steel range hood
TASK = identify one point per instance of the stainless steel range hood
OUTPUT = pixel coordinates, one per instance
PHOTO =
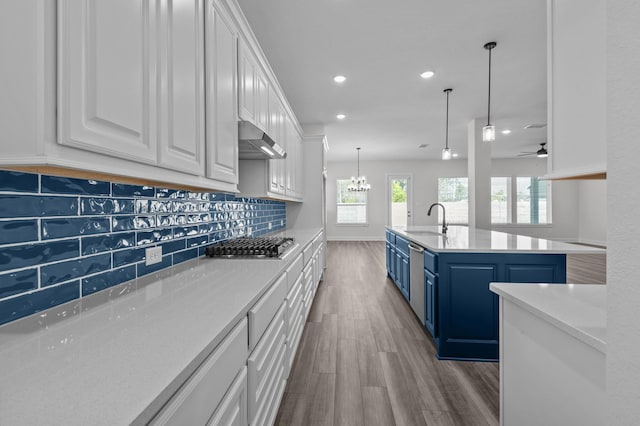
(254, 144)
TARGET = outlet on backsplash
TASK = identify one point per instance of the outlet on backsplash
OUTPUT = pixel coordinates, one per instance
(153, 255)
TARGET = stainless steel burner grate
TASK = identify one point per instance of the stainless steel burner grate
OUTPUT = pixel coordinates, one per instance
(250, 247)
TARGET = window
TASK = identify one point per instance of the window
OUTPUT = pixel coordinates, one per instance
(532, 200)
(500, 200)
(352, 205)
(453, 194)
(520, 200)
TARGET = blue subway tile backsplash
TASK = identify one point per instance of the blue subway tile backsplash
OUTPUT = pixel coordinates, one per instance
(64, 185)
(16, 205)
(18, 231)
(65, 238)
(18, 182)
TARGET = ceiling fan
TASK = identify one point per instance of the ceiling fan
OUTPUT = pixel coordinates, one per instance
(541, 153)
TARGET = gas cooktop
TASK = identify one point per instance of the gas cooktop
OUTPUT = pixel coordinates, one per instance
(259, 247)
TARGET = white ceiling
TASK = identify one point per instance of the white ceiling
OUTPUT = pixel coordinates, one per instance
(382, 46)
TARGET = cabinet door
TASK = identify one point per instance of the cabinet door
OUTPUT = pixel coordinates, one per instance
(222, 123)
(283, 142)
(399, 277)
(181, 58)
(107, 77)
(246, 81)
(261, 95)
(392, 263)
(430, 302)
(232, 411)
(405, 277)
(274, 133)
(577, 95)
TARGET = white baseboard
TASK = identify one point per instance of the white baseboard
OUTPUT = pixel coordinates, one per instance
(350, 238)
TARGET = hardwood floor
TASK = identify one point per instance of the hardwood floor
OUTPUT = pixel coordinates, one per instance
(364, 359)
(587, 268)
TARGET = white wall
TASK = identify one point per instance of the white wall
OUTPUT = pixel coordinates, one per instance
(425, 191)
(623, 201)
(592, 196)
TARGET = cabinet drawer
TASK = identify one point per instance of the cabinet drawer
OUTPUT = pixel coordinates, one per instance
(402, 245)
(232, 411)
(307, 253)
(391, 237)
(197, 399)
(431, 261)
(294, 270)
(264, 364)
(261, 314)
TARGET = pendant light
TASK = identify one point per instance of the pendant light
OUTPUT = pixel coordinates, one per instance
(489, 131)
(446, 151)
(358, 183)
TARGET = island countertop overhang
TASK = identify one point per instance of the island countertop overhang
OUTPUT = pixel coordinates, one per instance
(475, 240)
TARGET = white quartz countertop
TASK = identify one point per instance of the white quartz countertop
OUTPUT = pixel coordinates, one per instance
(473, 240)
(116, 357)
(578, 309)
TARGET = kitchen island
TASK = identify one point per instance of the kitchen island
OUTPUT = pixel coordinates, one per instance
(461, 313)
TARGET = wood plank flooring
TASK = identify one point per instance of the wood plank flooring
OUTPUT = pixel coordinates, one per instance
(364, 359)
(587, 268)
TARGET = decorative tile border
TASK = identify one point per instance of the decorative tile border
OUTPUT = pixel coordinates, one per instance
(64, 238)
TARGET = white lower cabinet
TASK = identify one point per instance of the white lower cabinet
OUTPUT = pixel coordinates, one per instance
(197, 400)
(295, 320)
(243, 380)
(266, 370)
(308, 288)
(261, 314)
(233, 408)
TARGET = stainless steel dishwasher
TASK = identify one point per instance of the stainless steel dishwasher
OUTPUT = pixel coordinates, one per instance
(416, 280)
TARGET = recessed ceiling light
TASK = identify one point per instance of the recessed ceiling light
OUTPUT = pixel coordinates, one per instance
(427, 74)
(455, 155)
(339, 78)
(423, 145)
(506, 131)
(341, 116)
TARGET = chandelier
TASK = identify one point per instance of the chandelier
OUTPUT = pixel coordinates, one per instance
(358, 183)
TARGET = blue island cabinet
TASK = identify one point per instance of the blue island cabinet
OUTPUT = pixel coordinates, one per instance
(397, 254)
(467, 312)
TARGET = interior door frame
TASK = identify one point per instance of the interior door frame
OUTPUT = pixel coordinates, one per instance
(409, 177)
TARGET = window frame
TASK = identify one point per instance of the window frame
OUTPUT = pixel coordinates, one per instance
(513, 205)
(338, 204)
(449, 222)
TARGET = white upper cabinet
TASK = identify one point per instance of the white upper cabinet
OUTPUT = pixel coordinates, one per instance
(577, 87)
(108, 87)
(261, 100)
(253, 93)
(146, 90)
(221, 93)
(246, 81)
(181, 67)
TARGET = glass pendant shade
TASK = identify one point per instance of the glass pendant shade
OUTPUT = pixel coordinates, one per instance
(446, 153)
(489, 133)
